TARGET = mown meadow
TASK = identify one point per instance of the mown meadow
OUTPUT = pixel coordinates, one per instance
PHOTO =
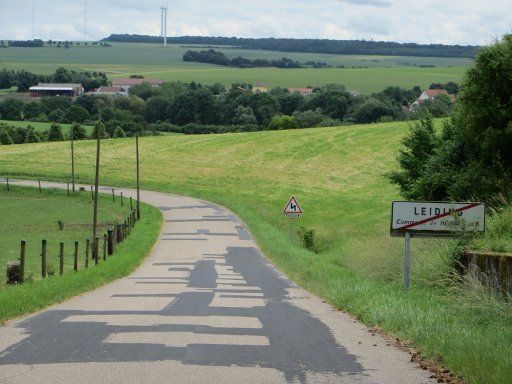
(338, 176)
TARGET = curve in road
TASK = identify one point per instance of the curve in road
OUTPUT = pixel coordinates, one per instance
(204, 307)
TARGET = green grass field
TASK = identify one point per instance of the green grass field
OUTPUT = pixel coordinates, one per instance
(36, 294)
(32, 216)
(338, 176)
(154, 61)
(42, 127)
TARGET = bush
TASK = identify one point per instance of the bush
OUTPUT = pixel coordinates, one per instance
(55, 133)
(282, 122)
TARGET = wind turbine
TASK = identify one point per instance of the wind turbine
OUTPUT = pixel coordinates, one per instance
(163, 24)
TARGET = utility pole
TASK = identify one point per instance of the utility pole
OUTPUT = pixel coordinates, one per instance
(96, 188)
(73, 157)
(138, 174)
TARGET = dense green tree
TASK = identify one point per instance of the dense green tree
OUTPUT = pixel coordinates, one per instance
(62, 75)
(99, 129)
(11, 109)
(31, 135)
(25, 80)
(333, 100)
(78, 132)
(145, 91)
(32, 110)
(77, 114)
(372, 110)
(5, 137)
(155, 108)
(55, 133)
(472, 159)
(6, 79)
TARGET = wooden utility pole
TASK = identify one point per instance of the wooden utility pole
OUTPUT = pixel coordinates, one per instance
(138, 175)
(73, 157)
(96, 188)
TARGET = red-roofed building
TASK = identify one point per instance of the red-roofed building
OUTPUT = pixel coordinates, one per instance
(430, 94)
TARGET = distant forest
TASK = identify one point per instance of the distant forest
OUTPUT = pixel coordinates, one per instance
(340, 47)
(215, 57)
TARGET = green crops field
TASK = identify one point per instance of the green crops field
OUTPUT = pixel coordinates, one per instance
(154, 61)
(338, 176)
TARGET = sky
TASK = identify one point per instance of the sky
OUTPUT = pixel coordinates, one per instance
(467, 22)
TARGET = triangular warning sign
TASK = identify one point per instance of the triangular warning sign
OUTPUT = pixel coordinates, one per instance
(292, 207)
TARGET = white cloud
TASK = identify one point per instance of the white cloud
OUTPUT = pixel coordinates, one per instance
(428, 21)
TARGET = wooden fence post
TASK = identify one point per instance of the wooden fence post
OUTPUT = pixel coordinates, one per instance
(96, 250)
(105, 247)
(43, 259)
(22, 261)
(131, 204)
(68, 187)
(110, 239)
(61, 265)
(87, 245)
(113, 195)
(75, 257)
(39, 182)
(92, 193)
(122, 200)
(8, 188)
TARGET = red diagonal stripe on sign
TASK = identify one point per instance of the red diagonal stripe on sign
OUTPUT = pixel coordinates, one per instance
(408, 226)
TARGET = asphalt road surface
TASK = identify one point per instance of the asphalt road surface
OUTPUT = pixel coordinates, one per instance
(205, 307)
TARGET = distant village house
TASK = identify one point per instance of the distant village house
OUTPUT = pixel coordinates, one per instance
(302, 91)
(52, 89)
(109, 91)
(260, 87)
(430, 94)
(126, 84)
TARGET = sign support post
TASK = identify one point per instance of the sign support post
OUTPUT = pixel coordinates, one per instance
(292, 230)
(433, 219)
(407, 269)
(292, 211)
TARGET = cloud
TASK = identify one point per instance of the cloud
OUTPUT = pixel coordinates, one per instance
(428, 21)
(373, 3)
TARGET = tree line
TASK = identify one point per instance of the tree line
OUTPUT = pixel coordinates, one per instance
(24, 79)
(196, 108)
(212, 56)
(340, 47)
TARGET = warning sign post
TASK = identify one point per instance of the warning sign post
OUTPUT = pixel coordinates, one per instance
(433, 219)
(292, 211)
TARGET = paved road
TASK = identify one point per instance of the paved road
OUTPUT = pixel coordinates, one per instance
(205, 307)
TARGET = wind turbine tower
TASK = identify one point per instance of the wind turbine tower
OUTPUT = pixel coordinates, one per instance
(163, 24)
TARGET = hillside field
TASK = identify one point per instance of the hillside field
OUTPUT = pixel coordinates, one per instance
(338, 176)
(154, 61)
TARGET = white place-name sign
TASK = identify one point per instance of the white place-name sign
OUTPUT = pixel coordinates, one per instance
(436, 219)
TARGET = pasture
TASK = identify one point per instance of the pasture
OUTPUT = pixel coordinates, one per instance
(338, 176)
(32, 216)
(154, 61)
